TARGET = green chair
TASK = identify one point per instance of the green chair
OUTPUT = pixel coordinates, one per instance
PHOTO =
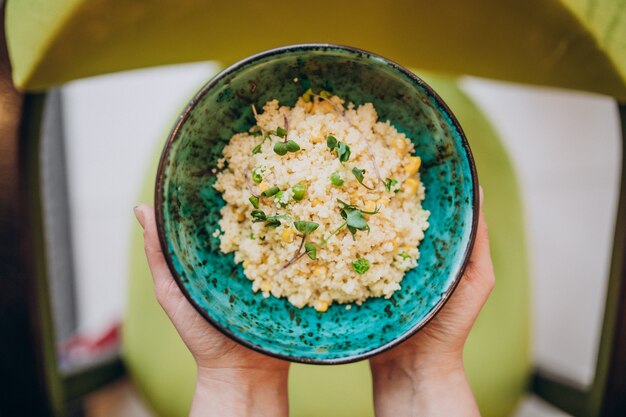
(564, 43)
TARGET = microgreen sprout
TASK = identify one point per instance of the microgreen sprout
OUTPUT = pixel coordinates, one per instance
(331, 142)
(342, 150)
(258, 216)
(270, 221)
(336, 179)
(360, 176)
(354, 219)
(391, 184)
(311, 250)
(281, 148)
(257, 148)
(306, 228)
(361, 265)
(404, 255)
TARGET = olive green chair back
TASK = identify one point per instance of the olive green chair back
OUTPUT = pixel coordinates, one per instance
(566, 43)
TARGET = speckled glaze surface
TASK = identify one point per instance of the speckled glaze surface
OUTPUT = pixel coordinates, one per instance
(188, 206)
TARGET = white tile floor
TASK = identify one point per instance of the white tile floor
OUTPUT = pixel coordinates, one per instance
(564, 145)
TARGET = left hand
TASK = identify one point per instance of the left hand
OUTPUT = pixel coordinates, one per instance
(222, 363)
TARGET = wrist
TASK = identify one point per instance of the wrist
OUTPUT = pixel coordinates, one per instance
(240, 375)
(240, 392)
(419, 366)
(404, 385)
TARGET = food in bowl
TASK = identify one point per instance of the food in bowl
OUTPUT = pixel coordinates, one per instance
(323, 202)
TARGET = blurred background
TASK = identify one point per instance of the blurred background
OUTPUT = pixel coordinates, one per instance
(89, 91)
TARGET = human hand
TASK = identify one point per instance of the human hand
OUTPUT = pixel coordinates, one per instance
(431, 361)
(229, 374)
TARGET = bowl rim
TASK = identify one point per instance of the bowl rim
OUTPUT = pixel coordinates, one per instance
(160, 179)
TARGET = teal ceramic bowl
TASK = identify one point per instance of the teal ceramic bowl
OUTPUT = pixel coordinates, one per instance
(187, 205)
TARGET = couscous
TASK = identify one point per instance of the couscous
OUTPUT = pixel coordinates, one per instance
(323, 202)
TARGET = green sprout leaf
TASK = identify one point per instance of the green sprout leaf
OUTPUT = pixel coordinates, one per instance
(391, 184)
(280, 132)
(280, 148)
(343, 151)
(359, 174)
(311, 250)
(404, 255)
(292, 146)
(274, 223)
(336, 180)
(256, 149)
(354, 219)
(305, 227)
(331, 142)
(361, 265)
(258, 216)
(325, 94)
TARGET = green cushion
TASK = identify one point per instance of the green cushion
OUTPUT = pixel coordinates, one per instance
(567, 43)
(497, 354)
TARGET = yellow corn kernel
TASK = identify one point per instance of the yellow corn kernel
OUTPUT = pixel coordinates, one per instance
(245, 264)
(308, 107)
(412, 185)
(414, 165)
(241, 216)
(316, 202)
(317, 139)
(266, 287)
(263, 186)
(320, 271)
(287, 235)
(399, 145)
(321, 306)
(324, 106)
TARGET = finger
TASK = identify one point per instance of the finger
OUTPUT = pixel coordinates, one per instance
(156, 261)
(480, 267)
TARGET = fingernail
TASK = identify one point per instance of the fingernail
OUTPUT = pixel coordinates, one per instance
(138, 215)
